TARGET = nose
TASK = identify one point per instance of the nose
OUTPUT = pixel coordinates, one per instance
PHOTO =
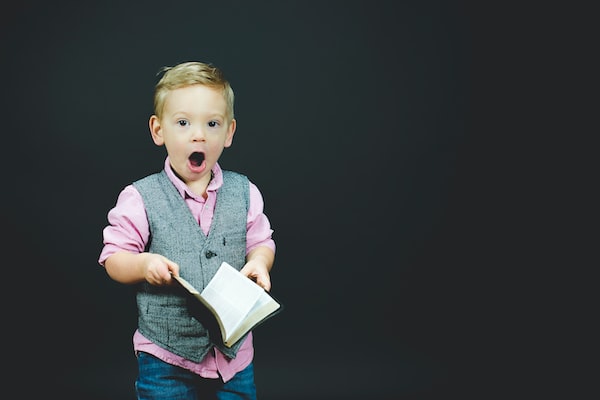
(198, 135)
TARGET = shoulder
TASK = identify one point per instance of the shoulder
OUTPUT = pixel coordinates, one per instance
(129, 199)
(235, 179)
(227, 174)
(241, 179)
(150, 181)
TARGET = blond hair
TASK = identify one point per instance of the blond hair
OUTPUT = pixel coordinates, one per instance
(189, 74)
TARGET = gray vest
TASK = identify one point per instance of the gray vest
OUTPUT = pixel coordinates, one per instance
(167, 315)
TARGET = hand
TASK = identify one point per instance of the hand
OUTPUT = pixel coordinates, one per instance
(158, 270)
(258, 272)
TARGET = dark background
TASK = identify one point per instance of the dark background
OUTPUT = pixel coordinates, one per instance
(365, 125)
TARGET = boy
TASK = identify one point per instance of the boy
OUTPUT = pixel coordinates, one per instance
(187, 219)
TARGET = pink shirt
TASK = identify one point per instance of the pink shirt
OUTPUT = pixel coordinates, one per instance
(128, 230)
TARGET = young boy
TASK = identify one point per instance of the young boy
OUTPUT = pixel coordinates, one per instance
(187, 219)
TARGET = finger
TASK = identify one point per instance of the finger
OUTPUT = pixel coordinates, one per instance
(264, 282)
(173, 268)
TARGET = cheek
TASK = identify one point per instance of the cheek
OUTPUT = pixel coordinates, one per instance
(175, 145)
(215, 150)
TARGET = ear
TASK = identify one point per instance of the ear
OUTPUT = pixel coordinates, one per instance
(156, 131)
(230, 132)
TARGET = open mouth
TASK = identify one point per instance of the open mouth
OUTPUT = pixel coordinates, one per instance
(196, 159)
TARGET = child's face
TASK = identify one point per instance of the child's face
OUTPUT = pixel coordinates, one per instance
(194, 130)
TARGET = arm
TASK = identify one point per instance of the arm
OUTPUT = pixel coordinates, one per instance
(258, 264)
(131, 268)
(260, 245)
(125, 238)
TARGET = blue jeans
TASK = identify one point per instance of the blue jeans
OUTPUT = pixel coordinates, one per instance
(160, 380)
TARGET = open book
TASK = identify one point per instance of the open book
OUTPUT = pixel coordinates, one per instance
(236, 301)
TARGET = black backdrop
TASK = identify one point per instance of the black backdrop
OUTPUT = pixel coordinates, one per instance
(355, 119)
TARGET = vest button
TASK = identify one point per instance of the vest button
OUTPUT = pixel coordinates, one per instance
(210, 254)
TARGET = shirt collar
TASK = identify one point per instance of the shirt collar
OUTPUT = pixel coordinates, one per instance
(215, 183)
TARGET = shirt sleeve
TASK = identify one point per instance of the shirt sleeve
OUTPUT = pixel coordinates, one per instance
(127, 228)
(259, 232)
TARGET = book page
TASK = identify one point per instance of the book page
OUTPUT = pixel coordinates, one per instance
(264, 306)
(232, 295)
